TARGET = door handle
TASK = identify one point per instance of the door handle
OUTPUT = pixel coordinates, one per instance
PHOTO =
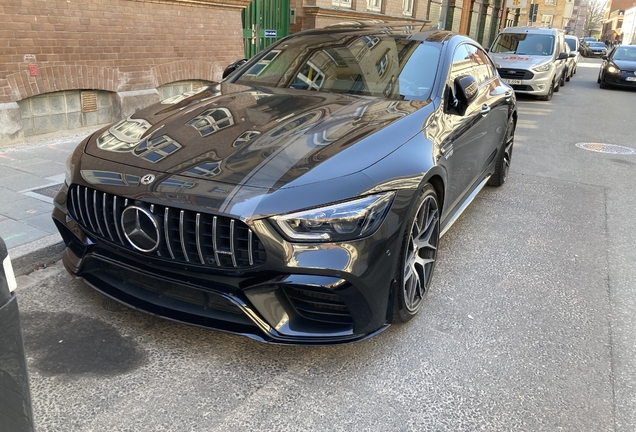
(508, 95)
(485, 109)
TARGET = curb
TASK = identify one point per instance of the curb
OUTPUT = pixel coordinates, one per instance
(38, 253)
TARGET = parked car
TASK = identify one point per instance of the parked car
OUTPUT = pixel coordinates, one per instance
(532, 60)
(302, 199)
(619, 67)
(596, 49)
(575, 56)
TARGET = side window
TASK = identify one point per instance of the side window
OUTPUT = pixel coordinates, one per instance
(462, 64)
(481, 64)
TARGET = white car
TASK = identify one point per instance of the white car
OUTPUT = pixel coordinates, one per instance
(575, 56)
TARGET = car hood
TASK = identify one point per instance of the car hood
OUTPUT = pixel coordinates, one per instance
(627, 65)
(517, 61)
(268, 138)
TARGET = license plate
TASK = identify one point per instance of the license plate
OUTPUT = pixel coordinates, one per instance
(631, 78)
(512, 81)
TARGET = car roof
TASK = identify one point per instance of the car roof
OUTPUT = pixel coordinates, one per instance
(539, 30)
(417, 31)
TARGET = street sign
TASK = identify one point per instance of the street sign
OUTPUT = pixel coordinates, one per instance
(270, 33)
(516, 4)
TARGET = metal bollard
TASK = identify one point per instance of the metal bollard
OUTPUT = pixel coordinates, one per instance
(16, 413)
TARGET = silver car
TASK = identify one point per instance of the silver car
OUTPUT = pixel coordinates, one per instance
(532, 60)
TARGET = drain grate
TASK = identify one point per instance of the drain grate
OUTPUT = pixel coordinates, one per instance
(49, 191)
(607, 148)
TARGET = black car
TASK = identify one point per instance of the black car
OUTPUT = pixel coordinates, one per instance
(595, 49)
(302, 199)
(619, 67)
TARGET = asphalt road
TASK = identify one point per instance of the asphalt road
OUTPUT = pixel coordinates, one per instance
(529, 324)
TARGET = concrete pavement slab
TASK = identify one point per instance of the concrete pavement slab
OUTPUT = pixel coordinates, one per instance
(43, 222)
(22, 182)
(26, 207)
(16, 233)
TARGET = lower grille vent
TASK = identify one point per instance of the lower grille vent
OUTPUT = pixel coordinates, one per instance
(319, 305)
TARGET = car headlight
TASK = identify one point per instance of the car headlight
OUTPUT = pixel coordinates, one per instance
(613, 69)
(542, 68)
(338, 222)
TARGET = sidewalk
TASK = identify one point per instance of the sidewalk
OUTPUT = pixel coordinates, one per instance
(30, 175)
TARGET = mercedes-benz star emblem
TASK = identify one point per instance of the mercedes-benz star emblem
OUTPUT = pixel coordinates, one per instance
(140, 228)
(147, 179)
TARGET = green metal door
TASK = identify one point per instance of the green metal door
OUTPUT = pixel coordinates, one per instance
(264, 22)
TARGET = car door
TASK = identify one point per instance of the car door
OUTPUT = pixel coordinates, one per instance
(463, 146)
(495, 99)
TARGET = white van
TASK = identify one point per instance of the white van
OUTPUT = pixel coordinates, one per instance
(532, 60)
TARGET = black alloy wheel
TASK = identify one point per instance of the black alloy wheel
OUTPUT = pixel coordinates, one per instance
(418, 254)
(504, 158)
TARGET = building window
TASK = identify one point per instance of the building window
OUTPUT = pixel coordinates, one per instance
(263, 63)
(309, 78)
(156, 149)
(206, 170)
(407, 7)
(371, 41)
(211, 121)
(341, 3)
(382, 65)
(546, 21)
(374, 5)
(551, 2)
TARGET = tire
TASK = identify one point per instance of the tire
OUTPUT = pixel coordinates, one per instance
(417, 257)
(548, 97)
(603, 85)
(598, 80)
(568, 75)
(502, 166)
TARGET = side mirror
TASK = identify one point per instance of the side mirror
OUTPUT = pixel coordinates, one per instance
(466, 89)
(604, 57)
(234, 66)
(572, 54)
(562, 56)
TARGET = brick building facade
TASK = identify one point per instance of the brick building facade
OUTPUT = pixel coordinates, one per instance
(66, 64)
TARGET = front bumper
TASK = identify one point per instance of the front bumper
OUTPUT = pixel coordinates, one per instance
(620, 79)
(538, 85)
(307, 294)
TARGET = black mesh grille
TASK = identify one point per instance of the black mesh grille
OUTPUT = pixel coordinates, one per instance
(515, 73)
(319, 305)
(184, 235)
(522, 87)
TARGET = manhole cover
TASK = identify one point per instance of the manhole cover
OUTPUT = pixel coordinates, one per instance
(606, 148)
(49, 191)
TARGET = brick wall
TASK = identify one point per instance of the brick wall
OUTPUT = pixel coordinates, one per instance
(114, 45)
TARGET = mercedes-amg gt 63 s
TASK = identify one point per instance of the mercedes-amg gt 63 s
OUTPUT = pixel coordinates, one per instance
(301, 199)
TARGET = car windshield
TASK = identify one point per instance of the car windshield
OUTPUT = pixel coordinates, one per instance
(597, 44)
(625, 53)
(370, 65)
(572, 44)
(523, 44)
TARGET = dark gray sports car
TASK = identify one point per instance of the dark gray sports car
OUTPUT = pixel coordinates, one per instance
(300, 200)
